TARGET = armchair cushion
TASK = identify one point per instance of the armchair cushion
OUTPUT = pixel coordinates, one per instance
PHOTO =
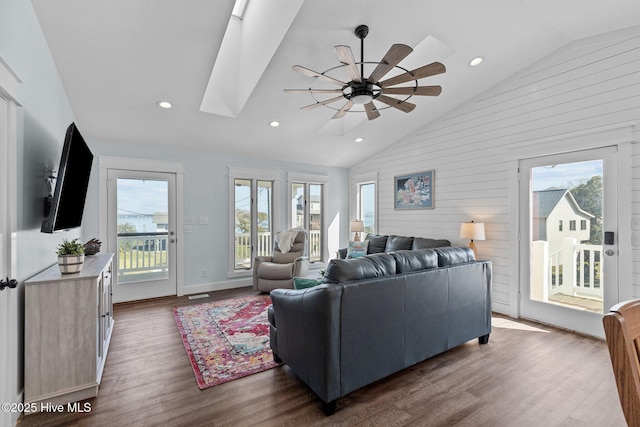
(275, 271)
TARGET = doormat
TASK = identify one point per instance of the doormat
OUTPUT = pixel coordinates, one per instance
(226, 340)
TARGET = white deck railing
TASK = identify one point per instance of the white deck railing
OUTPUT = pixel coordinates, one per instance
(142, 256)
(265, 247)
(573, 270)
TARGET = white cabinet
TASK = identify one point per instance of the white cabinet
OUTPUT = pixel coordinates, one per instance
(68, 325)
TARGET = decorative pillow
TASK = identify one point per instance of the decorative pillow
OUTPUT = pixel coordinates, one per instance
(357, 249)
(304, 283)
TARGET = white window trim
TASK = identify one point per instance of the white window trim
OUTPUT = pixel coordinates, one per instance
(357, 181)
(305, 178)
(253, 175)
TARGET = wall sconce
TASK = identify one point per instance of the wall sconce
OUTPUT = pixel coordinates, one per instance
(356, 226)
(474, 231)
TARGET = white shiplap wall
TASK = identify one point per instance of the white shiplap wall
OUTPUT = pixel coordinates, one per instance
(580, 89)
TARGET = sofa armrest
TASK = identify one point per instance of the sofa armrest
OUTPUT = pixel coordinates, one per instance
(306, 329)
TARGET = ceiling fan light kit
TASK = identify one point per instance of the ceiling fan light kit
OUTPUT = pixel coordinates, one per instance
(361, 90)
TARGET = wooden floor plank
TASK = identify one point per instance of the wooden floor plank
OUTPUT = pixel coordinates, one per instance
(528, 375)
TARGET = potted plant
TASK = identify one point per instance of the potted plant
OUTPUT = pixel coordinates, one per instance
(70, 256)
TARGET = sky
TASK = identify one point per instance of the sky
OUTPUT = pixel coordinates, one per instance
(564, 175)
(142, 196)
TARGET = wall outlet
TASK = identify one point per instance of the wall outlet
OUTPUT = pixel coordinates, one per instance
(204, 272)
(187, 228)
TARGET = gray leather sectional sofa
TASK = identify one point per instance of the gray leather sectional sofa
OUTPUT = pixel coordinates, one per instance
(382, 243)
(379, 314)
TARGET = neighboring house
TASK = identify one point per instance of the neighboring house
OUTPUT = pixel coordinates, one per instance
(557, 215)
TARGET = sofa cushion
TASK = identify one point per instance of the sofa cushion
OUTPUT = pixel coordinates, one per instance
(398, 243)
(374, 265)
(377, 243)
(454, 256)
(357, 249)
(422, 242)
(415, 260)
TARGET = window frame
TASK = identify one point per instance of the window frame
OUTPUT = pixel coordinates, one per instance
(253, 175)
(307, 180)
(359, 212)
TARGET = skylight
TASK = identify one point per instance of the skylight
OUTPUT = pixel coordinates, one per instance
(239, 8)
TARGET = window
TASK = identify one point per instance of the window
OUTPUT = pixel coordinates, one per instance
(560, 225)
(367, 206)
(572, 225)
(583, 224)
(307, 210)
(251, 231)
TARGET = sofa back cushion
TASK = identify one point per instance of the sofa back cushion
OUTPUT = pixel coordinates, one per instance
(454, 256)
(377, 243)
(345, 270)
(398, 243)
(415, 260)
(422, 242)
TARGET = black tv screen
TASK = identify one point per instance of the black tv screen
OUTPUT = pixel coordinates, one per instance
(64, 209)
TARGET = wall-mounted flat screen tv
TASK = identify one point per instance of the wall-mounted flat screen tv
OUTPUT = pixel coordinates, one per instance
(63, 209)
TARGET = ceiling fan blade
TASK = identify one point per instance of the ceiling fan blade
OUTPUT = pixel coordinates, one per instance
(319, 103)
(343, 110)
(394, 55)
(313, 90)
(419, 73)
(346, 57)
(420, 90)
(396, 103)
(311, 73)
(372, 111)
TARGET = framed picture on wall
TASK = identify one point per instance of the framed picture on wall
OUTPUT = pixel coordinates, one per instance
(414, 191)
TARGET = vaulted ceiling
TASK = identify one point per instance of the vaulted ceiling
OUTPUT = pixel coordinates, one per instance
(225, 77)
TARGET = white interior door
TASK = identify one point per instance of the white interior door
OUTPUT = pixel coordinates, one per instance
(568, 238)
(9, 342)
(142, 233)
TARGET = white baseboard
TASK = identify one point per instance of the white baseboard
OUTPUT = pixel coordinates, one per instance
(501, 308)
(218, 286)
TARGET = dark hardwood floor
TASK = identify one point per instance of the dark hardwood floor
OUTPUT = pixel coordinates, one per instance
(528, 375)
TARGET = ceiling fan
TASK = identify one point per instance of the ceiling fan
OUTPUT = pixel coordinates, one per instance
(361, 90)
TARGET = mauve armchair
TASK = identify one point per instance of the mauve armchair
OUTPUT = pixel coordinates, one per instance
(278, 270)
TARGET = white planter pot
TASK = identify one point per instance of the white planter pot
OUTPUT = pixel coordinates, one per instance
(70, 263)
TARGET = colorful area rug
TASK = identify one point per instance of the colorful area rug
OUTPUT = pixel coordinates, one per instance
(227, 339)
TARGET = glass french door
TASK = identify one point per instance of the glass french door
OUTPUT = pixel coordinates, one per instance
(142, 226)
(568, 238)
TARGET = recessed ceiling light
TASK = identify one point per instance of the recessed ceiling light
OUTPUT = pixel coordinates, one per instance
(476, 61)
(164, 104)
(359, 139)
(274, 124)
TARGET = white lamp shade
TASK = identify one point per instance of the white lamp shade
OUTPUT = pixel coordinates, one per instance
(356, 226)
(472, 230)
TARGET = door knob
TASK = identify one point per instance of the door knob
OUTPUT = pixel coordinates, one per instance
(11, 283)
(609, 252)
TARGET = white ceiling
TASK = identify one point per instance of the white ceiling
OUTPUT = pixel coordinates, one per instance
(116, 58)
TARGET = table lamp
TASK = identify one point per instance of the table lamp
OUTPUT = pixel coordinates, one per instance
(474, 231)
(357, 227)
